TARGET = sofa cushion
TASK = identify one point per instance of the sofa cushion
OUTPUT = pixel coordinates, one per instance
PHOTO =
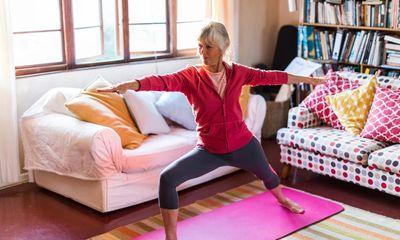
(387, 159)
(144, 112)
(332, 142)
(157, 151)
(244, 99)
(383, 81)
(106, 109)
(383, 123)
(352, 106)
(302, 117)
(175, 106)
(316, 100)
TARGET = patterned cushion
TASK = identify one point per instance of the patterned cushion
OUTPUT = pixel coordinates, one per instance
(387, 159)
(331, 142)
(389, 82)
(383, 81)
(352, 106)
(356, 77)
(316, 100)
(383, 123)
(301, 117)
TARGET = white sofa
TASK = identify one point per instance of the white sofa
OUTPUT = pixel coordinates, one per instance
(85, 161)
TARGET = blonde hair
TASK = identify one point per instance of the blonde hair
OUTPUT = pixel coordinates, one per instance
(215, 33)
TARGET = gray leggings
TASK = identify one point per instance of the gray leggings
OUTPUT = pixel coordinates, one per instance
(199, 161)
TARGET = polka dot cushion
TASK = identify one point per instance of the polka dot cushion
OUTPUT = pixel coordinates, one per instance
(383, 81)
(331, 142)
(301, 117)
(383, 123)
(387, 159)
(389, 82)
(355, 77)
(316, 100)
(352, 106)
(367, 176)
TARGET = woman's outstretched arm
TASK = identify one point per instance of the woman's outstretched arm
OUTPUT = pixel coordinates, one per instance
(121, 87)
(293, 79)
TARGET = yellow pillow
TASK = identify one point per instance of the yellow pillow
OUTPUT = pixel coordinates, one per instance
(352, 106)
(107, 109)
(244, 99)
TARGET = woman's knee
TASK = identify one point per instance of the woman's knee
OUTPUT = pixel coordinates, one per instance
(167, 179)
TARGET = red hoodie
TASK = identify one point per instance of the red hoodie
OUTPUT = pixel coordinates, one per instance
(220, 123)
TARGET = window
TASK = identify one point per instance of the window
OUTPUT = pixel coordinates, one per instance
(190, 16)
(147, 32)
(97, 31)
(37, 32)
(64, 34)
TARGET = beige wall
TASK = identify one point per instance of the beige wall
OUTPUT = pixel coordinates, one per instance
(286, 17)
(259, 22)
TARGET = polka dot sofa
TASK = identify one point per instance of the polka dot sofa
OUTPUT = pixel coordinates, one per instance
(308, 144)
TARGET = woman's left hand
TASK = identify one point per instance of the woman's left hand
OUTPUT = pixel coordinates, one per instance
(317, 80)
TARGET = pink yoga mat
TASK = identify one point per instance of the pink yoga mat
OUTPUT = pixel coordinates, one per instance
(259, 217)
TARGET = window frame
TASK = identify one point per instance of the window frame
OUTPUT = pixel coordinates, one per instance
(68, 47)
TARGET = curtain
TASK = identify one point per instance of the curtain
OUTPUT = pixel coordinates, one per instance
(227, 12)
(9, 159)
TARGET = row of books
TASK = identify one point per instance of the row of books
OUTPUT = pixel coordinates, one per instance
(383, 14)
(391, 51)
(348, 46)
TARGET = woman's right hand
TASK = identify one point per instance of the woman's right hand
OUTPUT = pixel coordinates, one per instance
(120, 88)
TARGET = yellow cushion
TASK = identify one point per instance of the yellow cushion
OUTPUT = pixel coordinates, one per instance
(244, 99)
(352, 106)
(107, 109)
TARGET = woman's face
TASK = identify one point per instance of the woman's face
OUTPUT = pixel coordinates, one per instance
(210, 53)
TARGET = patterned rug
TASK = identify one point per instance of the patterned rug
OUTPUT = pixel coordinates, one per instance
(352, 223)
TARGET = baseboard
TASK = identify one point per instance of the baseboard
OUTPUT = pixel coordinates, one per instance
(23, 178)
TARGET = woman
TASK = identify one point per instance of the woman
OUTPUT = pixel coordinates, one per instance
(213, 89)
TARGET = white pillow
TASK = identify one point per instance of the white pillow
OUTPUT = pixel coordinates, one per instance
(51, 102)
(175, 106)
(142, 109)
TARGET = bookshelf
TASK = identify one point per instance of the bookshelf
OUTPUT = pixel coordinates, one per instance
(355, 35)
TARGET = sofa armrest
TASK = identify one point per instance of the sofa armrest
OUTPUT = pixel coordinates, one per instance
(67, 146)
(255, 115)
(301, 117)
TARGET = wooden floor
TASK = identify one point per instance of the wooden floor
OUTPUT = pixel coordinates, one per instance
(30, 212)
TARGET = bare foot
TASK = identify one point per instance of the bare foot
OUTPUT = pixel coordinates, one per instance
(292, 206)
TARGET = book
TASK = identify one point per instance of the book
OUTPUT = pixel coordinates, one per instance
(310, 38)
(335, 1)
(337, 44)
(371, 55)
(392, 39)
(349, 47)
(372, 2)
(318, 49)
(377, 60)
(343, 47)
(391, 46)
(361, 50)
(299, 41)
(367, 48)
(356, 46)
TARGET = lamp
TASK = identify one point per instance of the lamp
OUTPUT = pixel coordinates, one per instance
(292, 5)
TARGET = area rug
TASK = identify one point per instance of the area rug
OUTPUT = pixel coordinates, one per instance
(352, 223)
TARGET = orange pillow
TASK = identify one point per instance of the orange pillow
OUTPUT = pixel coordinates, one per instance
(106, 109)
(244, 99)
